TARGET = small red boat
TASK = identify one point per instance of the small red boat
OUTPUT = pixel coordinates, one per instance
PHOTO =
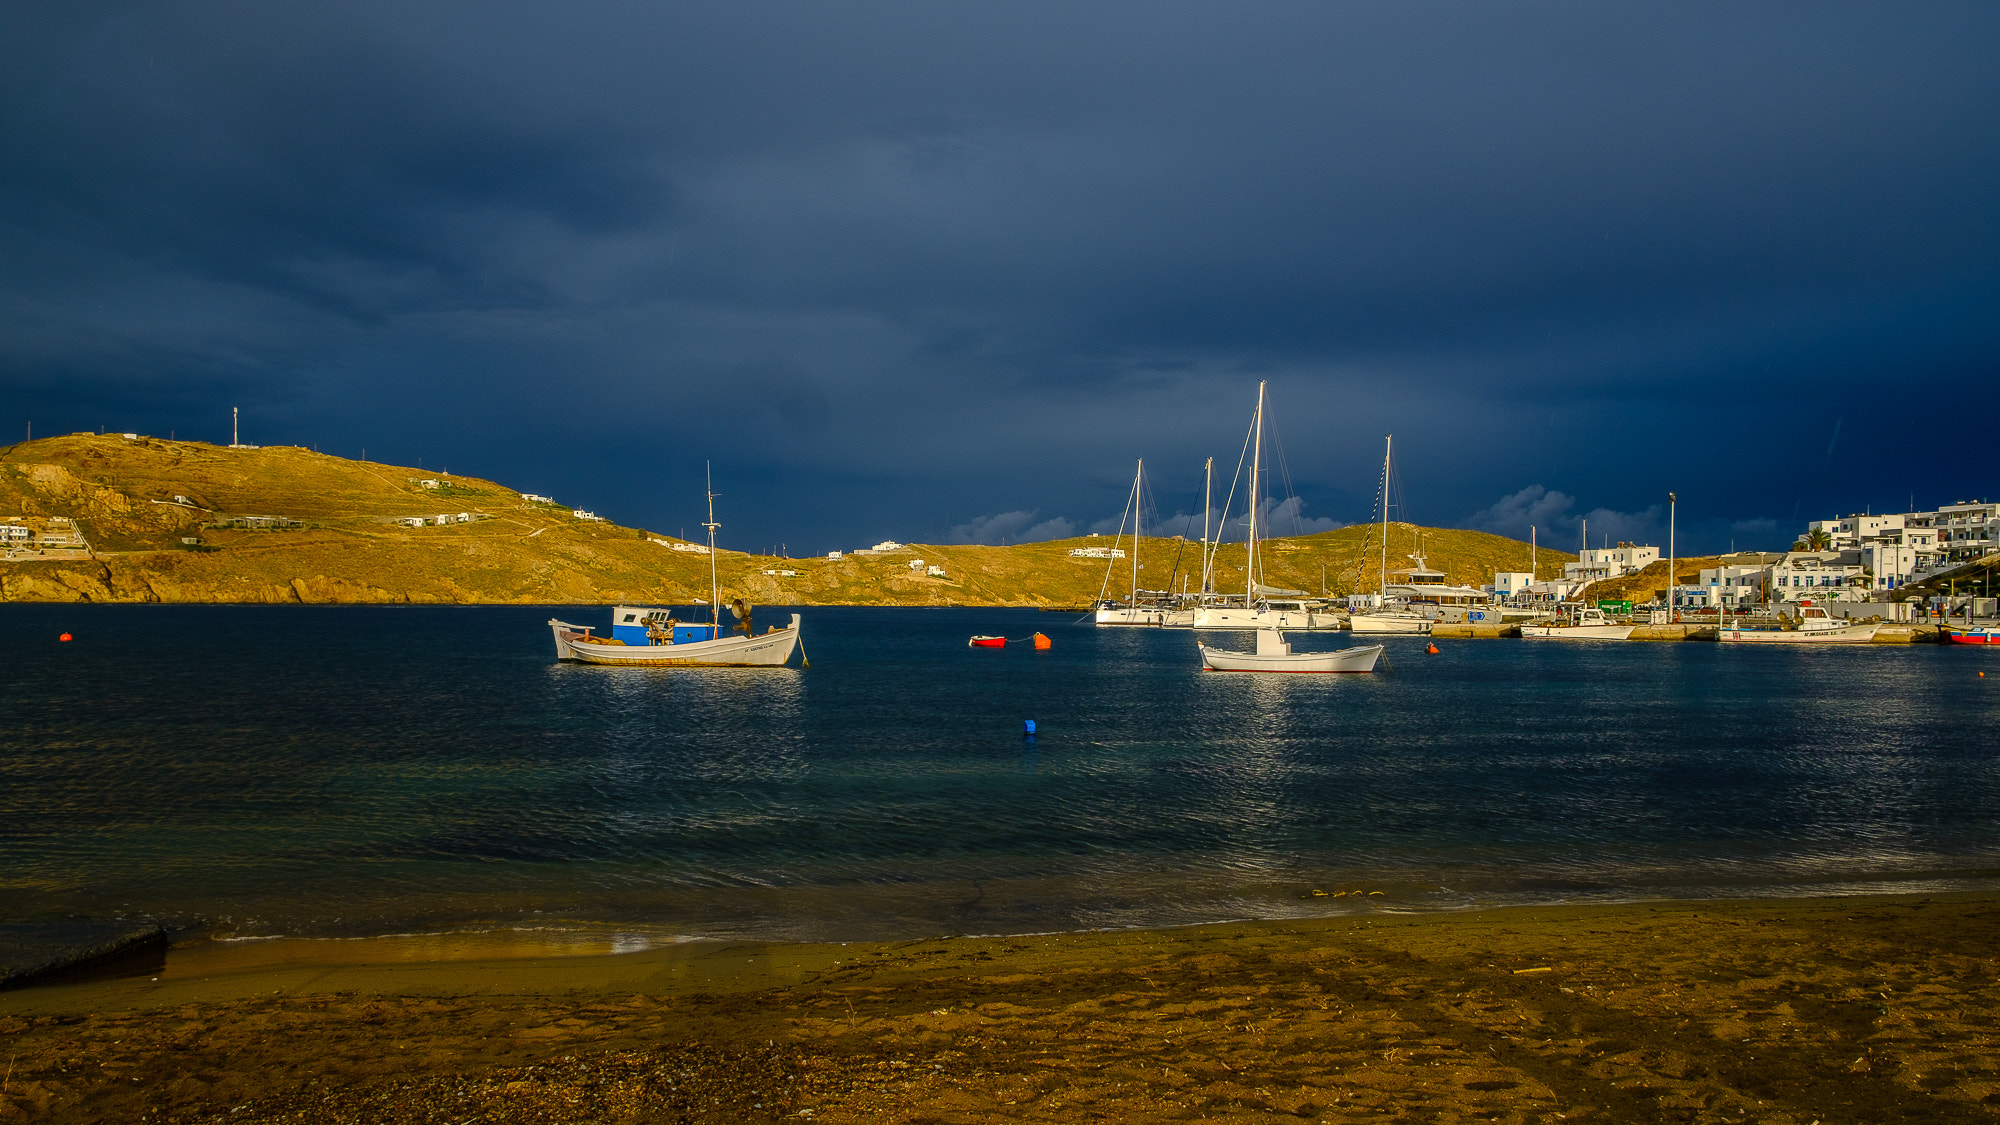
(988, 642)
(1970, 635)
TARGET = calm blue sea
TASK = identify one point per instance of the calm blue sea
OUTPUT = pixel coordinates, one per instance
(350, 771)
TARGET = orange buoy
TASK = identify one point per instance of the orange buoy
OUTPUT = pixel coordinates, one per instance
(1041, 641)
(64, 637)
(1430, 650)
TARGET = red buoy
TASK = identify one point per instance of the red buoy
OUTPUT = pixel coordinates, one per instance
(64, 637)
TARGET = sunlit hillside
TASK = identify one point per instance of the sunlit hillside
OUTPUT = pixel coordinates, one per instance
(176, 521)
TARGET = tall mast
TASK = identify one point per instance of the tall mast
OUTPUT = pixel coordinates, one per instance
(1209, 499)
(714, 587)
(1387, 443)
(1256, 465)
(1137, 515)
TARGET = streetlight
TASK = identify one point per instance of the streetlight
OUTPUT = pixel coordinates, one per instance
(1672, 600)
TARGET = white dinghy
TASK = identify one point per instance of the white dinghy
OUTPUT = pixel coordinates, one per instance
(1274, 654)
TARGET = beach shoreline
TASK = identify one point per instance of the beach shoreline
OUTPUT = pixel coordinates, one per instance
(1859, 1008)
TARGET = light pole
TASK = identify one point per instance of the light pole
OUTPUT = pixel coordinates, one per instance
(1672, 600)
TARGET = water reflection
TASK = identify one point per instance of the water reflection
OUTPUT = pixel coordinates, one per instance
(346, 787)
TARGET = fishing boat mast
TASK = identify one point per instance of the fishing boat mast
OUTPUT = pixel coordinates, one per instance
(714, 586)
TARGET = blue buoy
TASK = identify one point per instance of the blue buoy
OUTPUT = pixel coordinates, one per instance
(1028, 731)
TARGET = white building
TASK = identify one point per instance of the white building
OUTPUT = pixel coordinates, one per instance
(887, 545)
(1096, 552)
(1512, 583)
(1793, 577)
(936, 572)
(1610, 562)
(1895, 548)
(14, 533)
(534, 499)
(1966, 530)
(834, 555)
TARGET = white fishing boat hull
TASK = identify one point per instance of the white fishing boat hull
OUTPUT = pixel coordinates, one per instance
(1361, 658)
(1844, 635)
(764, 650)
(1389, 623)
(1131, 615)
(1579, 632)
(1274, 655)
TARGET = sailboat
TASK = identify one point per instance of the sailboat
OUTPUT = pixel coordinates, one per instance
(1137, 609)
(1273, 653)
(1261, 606)
(1386, 617)
(652, 638)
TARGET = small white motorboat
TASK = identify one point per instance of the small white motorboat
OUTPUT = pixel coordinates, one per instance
(1816, 626)
(1590, 624)
(1274, 654)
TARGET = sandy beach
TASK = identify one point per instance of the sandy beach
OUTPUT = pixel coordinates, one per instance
(1829, 1010)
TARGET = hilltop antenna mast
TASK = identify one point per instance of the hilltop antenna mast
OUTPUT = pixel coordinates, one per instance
(234, 438)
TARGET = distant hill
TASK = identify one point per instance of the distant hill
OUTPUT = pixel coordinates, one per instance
(284, 524)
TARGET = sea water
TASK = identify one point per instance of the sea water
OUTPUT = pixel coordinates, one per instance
(346, 771)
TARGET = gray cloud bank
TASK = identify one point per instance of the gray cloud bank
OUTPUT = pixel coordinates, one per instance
(892, 266)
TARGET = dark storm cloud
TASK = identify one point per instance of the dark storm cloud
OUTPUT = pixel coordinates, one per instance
(925, 271)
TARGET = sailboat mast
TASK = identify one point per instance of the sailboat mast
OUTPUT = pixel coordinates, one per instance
(714, 586)
(1256, 466)
(1388, 442)
(1138, 515)
(1207, 501)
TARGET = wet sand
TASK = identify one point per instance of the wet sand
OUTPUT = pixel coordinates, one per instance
(1829, 1010)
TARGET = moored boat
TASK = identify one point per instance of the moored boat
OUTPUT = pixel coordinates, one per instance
(1389, 620)
(1971, 634)
(1816, 626)
(1274, 654)
(651, 637)
(1589, 624)
(987, 642)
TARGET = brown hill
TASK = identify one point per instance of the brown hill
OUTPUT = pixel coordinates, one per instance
(284, 524)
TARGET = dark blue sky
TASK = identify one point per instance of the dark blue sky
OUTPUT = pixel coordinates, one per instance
(934, 271)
